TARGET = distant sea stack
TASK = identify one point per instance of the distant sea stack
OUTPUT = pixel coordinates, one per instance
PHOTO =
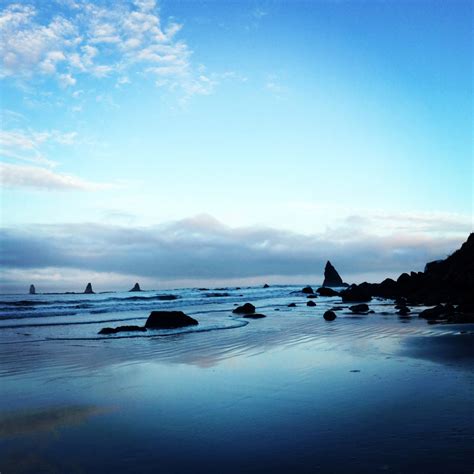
(136, 287)
(331, 277)
(89, 290)
(32, 290)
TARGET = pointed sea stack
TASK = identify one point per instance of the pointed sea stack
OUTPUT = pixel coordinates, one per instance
(136, 287)
(331, 277)
(89, 290)
(32, 290)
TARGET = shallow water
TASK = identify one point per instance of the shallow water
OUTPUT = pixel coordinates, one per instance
(288, 393)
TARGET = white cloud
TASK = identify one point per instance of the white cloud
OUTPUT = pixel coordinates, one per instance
(97, 39)
(21, 176)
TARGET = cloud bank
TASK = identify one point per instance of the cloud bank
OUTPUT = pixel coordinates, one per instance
(203, 249)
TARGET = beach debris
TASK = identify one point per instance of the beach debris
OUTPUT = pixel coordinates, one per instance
(169, 320)
(122, 329)
(247, 308)
(331, 277)
(329, 315)
(136, 287)
(359, 308)
(32, 290)
(89, 290)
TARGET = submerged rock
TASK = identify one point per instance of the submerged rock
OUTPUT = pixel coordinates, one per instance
(136, 287)
(307, 290)
(329, 315)
(359, 308)
(32, 290)
(217, 295)
(89, 290)
(254, 316)
(122, 329)
(323, 291)
(331, 277)
(292, 305)
(310, 303)
(312, 296)
(169, 320)
(247, 308)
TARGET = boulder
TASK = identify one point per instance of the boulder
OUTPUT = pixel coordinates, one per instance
(359, 308)
(122, 329)
(331, 277)
(266, 286)
(88, 290)
(329, 315)
(404, 311)
(323, 291)
(307, 290)
(169, 320)
(136, 287)
(247, 308)
(356, 293)
(32, 290)
(292, 305)
(310, 303)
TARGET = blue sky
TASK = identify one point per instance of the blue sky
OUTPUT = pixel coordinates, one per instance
(341, 123)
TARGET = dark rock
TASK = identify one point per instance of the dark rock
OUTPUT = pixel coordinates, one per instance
(329, 315)
(169, 320)
(32, 290)
(310, 303)
(254, 316)
(307, 290)
(266, 286)
(217, 295)
(88, 290)
(356, 293)
(292, 305)
(331, 277)
(323, 291)
(312, 296)
(136, 287)
(122, 329)
(166, 297)
(433, 313)
(247, 308)
(359, 308)
(403, 311)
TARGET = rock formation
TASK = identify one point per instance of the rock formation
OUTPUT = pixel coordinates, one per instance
(329, 315)
(136, 287)
(32, 290)
(331, 277)
(169, 320)
(307, 290)
(88, 290)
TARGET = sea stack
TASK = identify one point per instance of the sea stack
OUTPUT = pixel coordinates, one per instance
(331, 277)
(32, 290)
(136, 287)
(89, 290)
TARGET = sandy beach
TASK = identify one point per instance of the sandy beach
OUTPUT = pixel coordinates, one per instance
(287, 392)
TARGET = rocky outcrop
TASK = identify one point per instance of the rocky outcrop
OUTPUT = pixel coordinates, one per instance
(307, 290)
(266, 285)
(136, 287)
(310, 303)
(329, 315)
(247, 308)
(356, 294)
(331, 277)
(443, 281)
(88, 290)
(169, 320)
(122, 329)
(32, 290)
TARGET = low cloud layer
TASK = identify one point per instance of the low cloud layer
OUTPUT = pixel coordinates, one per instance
(203, 249)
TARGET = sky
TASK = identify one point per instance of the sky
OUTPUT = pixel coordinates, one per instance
(190, 143)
